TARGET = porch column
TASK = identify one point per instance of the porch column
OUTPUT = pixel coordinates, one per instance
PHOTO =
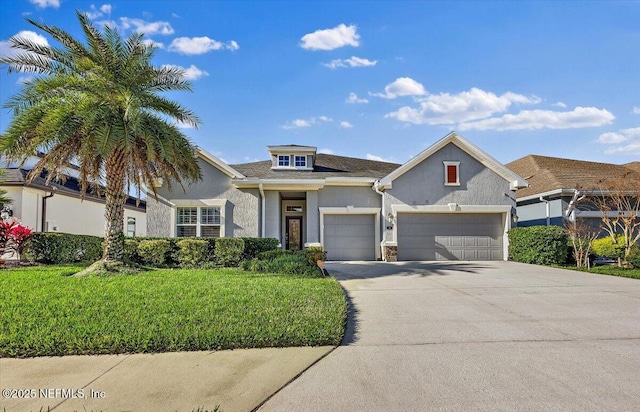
(313, 219)
(272, 214)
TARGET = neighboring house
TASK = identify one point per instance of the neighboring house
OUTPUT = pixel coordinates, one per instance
(452, 201)
(553, 182)
(57, 207)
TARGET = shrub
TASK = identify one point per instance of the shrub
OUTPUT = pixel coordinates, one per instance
(253, 246)
(272, 254)
(131, 251)
(193, 252)
(154, 252)
(634, 256)
(540, 245)
(229, 250)
(314, 254)
(607, 248)
(57, 248)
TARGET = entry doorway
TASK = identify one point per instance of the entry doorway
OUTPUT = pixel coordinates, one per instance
(293, 233)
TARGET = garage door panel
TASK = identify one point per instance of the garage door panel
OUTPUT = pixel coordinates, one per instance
(450, 236)
(349, 237)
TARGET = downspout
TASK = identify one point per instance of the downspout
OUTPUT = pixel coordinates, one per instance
(548, 209)
(263, 212)
(376, 188)
(43, 220)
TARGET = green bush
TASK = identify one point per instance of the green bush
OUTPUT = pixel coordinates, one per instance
(272, 254)
(193, 252)
(253, 246)
(154, 252)
(540, 245)
(229, 250)
(314, 254)
(57, 248)
(131, 251)
(634, 256)
(607, 248)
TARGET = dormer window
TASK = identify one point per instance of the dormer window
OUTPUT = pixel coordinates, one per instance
(300, 161)
(451, 173)
(283, 161)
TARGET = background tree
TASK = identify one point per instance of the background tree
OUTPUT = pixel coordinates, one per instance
(619, 204)
(581, 232)
(98, 106)
(4, 197)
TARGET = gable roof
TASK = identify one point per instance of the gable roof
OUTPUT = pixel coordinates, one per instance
(326, 166)
(219, 164)
(515, 181)
(545, 174)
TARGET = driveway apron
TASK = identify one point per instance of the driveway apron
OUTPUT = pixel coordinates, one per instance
(481, 336)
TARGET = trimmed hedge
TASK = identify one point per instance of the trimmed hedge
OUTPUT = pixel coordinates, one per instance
(540, 245)
(154, 252)
(253, 246)
(193, 252)
(58, 248)
(606, 248)
(229, 250)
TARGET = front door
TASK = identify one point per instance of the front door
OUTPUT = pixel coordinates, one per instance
(293, 235)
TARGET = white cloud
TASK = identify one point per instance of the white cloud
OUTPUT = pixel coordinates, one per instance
(191, 72)
(146, 27)
(559, 104)
(351, 62)
(631, 138)
(326, 151)
(46, 3)
(153, 43)
(199, 45)
(538, 119)
(402, 86)
(636, 110)
(353, 99)
(370, 156)
(5, 47)
(329, 39)
(345, 125)
(95, 12)
(445, 108)
(300, 123)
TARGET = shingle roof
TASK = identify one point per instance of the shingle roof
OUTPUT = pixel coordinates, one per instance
(545, 173)
(71, 185)
(325, 166)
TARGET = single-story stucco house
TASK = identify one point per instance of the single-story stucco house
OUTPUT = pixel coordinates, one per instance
(450, 202)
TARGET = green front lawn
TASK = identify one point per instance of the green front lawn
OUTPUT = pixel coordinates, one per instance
(45, 312)
(609, 270)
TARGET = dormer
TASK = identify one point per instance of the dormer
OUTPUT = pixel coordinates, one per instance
(292, 157)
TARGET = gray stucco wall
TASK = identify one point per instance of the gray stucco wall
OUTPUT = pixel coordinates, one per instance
(313, 217)
(158, 218)
(241, 212)
(339, 196)
(272, 214)
(424, 184)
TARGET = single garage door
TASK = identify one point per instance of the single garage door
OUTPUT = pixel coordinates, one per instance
(450, 236)
(349, 237)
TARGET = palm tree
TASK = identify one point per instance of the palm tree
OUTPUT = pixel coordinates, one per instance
(98, 106)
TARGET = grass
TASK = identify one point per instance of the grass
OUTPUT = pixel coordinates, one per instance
(45, 312)
(609, 270)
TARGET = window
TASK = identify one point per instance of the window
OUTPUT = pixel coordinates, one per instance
(198, 222)
(283, 161)
(451, 173)
(300, 161)
(294, 208)
(131, 226)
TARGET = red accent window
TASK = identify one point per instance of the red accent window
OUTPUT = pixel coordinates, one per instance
(452, 174)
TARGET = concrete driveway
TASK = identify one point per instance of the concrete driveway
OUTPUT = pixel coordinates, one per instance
(477, 336)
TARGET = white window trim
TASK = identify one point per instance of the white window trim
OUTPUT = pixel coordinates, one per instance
(303, 160)
(199, 203)
(446, 165)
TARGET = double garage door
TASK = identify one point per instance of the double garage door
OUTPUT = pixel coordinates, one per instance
(350, 237)
(450, 236)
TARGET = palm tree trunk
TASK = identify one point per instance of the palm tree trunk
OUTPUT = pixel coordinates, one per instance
(114, 208)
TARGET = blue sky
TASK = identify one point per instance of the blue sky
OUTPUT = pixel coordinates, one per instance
(384, 80)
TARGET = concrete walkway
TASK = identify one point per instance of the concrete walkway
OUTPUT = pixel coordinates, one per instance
(492, 336)
(237, 380)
